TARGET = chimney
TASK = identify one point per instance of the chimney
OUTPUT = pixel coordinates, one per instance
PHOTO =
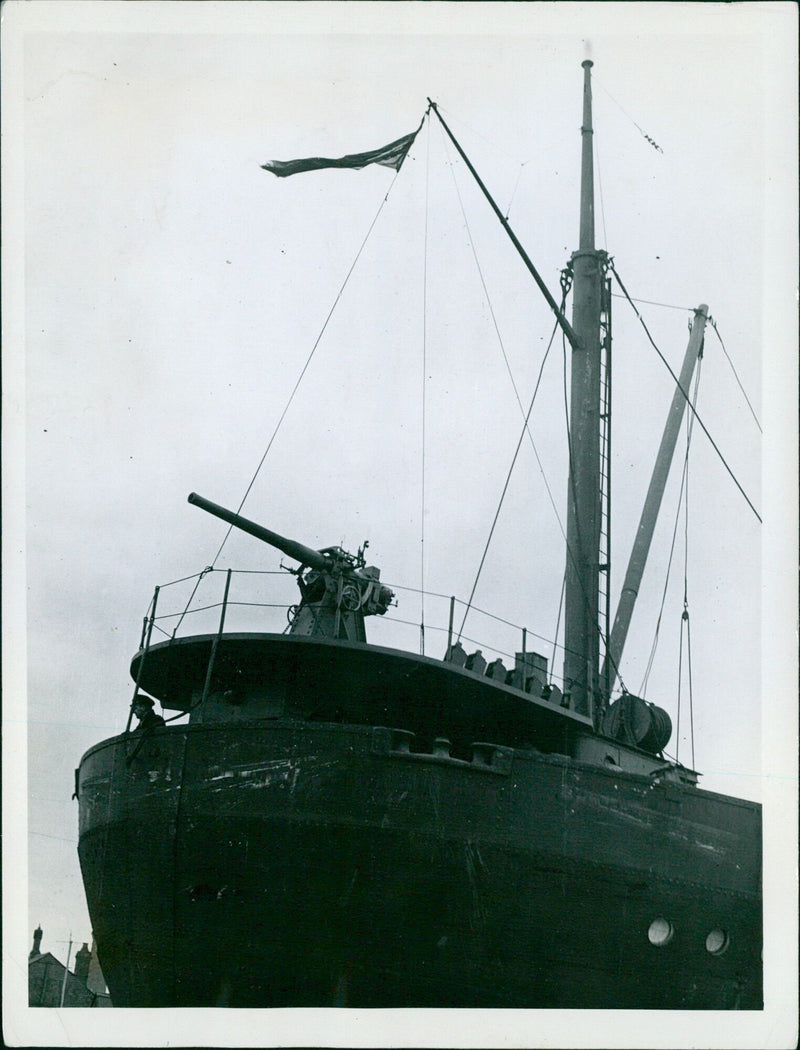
(82, 960)
(37, 943)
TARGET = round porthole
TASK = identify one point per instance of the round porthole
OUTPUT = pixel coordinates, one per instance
(717, 942)
(660, 932)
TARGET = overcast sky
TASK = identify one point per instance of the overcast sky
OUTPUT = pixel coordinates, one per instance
(165, 294)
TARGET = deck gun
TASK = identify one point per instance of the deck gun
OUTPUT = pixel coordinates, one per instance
(337, 589)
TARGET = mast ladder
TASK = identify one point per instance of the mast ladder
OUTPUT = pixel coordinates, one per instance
(604, 553)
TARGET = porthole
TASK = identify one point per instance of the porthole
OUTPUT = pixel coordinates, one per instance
(661, 932)
(717, 942)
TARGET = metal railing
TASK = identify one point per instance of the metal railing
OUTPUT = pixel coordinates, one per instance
(217, 601)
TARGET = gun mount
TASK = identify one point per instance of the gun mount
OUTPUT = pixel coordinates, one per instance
(337, 589)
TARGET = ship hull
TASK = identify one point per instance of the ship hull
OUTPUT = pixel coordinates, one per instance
(294, 864)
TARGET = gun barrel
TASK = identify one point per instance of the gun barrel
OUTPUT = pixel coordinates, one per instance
(291, 548)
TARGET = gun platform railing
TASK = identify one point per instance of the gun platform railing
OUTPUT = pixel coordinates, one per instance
(243, 607)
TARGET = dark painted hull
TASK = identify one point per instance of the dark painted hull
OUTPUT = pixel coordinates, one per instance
(283, 863)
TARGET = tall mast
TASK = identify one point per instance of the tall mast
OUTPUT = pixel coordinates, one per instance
(581, 635)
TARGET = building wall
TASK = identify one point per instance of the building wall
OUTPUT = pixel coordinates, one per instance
(45, 978)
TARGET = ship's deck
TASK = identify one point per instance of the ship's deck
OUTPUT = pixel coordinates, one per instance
(354, 682)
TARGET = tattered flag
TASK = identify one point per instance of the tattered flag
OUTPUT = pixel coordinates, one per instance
(391, 156)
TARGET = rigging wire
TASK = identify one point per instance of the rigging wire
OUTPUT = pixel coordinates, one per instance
(499, 336)
(294, 390)
(685, 395)
(496, 149)
(651, 302)
(595, 140)
(475, 609)
(713, 324)
(573, 338)
(416, 590)
(201, 576)
(560, 321)
(182, 579)
(494, 145)
(691, 693)
(424, 399)
(685, 621)
(514, 191)
(558, 617)
(474, 641)
(644, 135)
(684, 479)
(685, 616)
(308, 361)
(680, 679)
(508, 479)
(571, 462)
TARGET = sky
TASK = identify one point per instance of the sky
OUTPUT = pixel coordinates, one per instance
(163, 295)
